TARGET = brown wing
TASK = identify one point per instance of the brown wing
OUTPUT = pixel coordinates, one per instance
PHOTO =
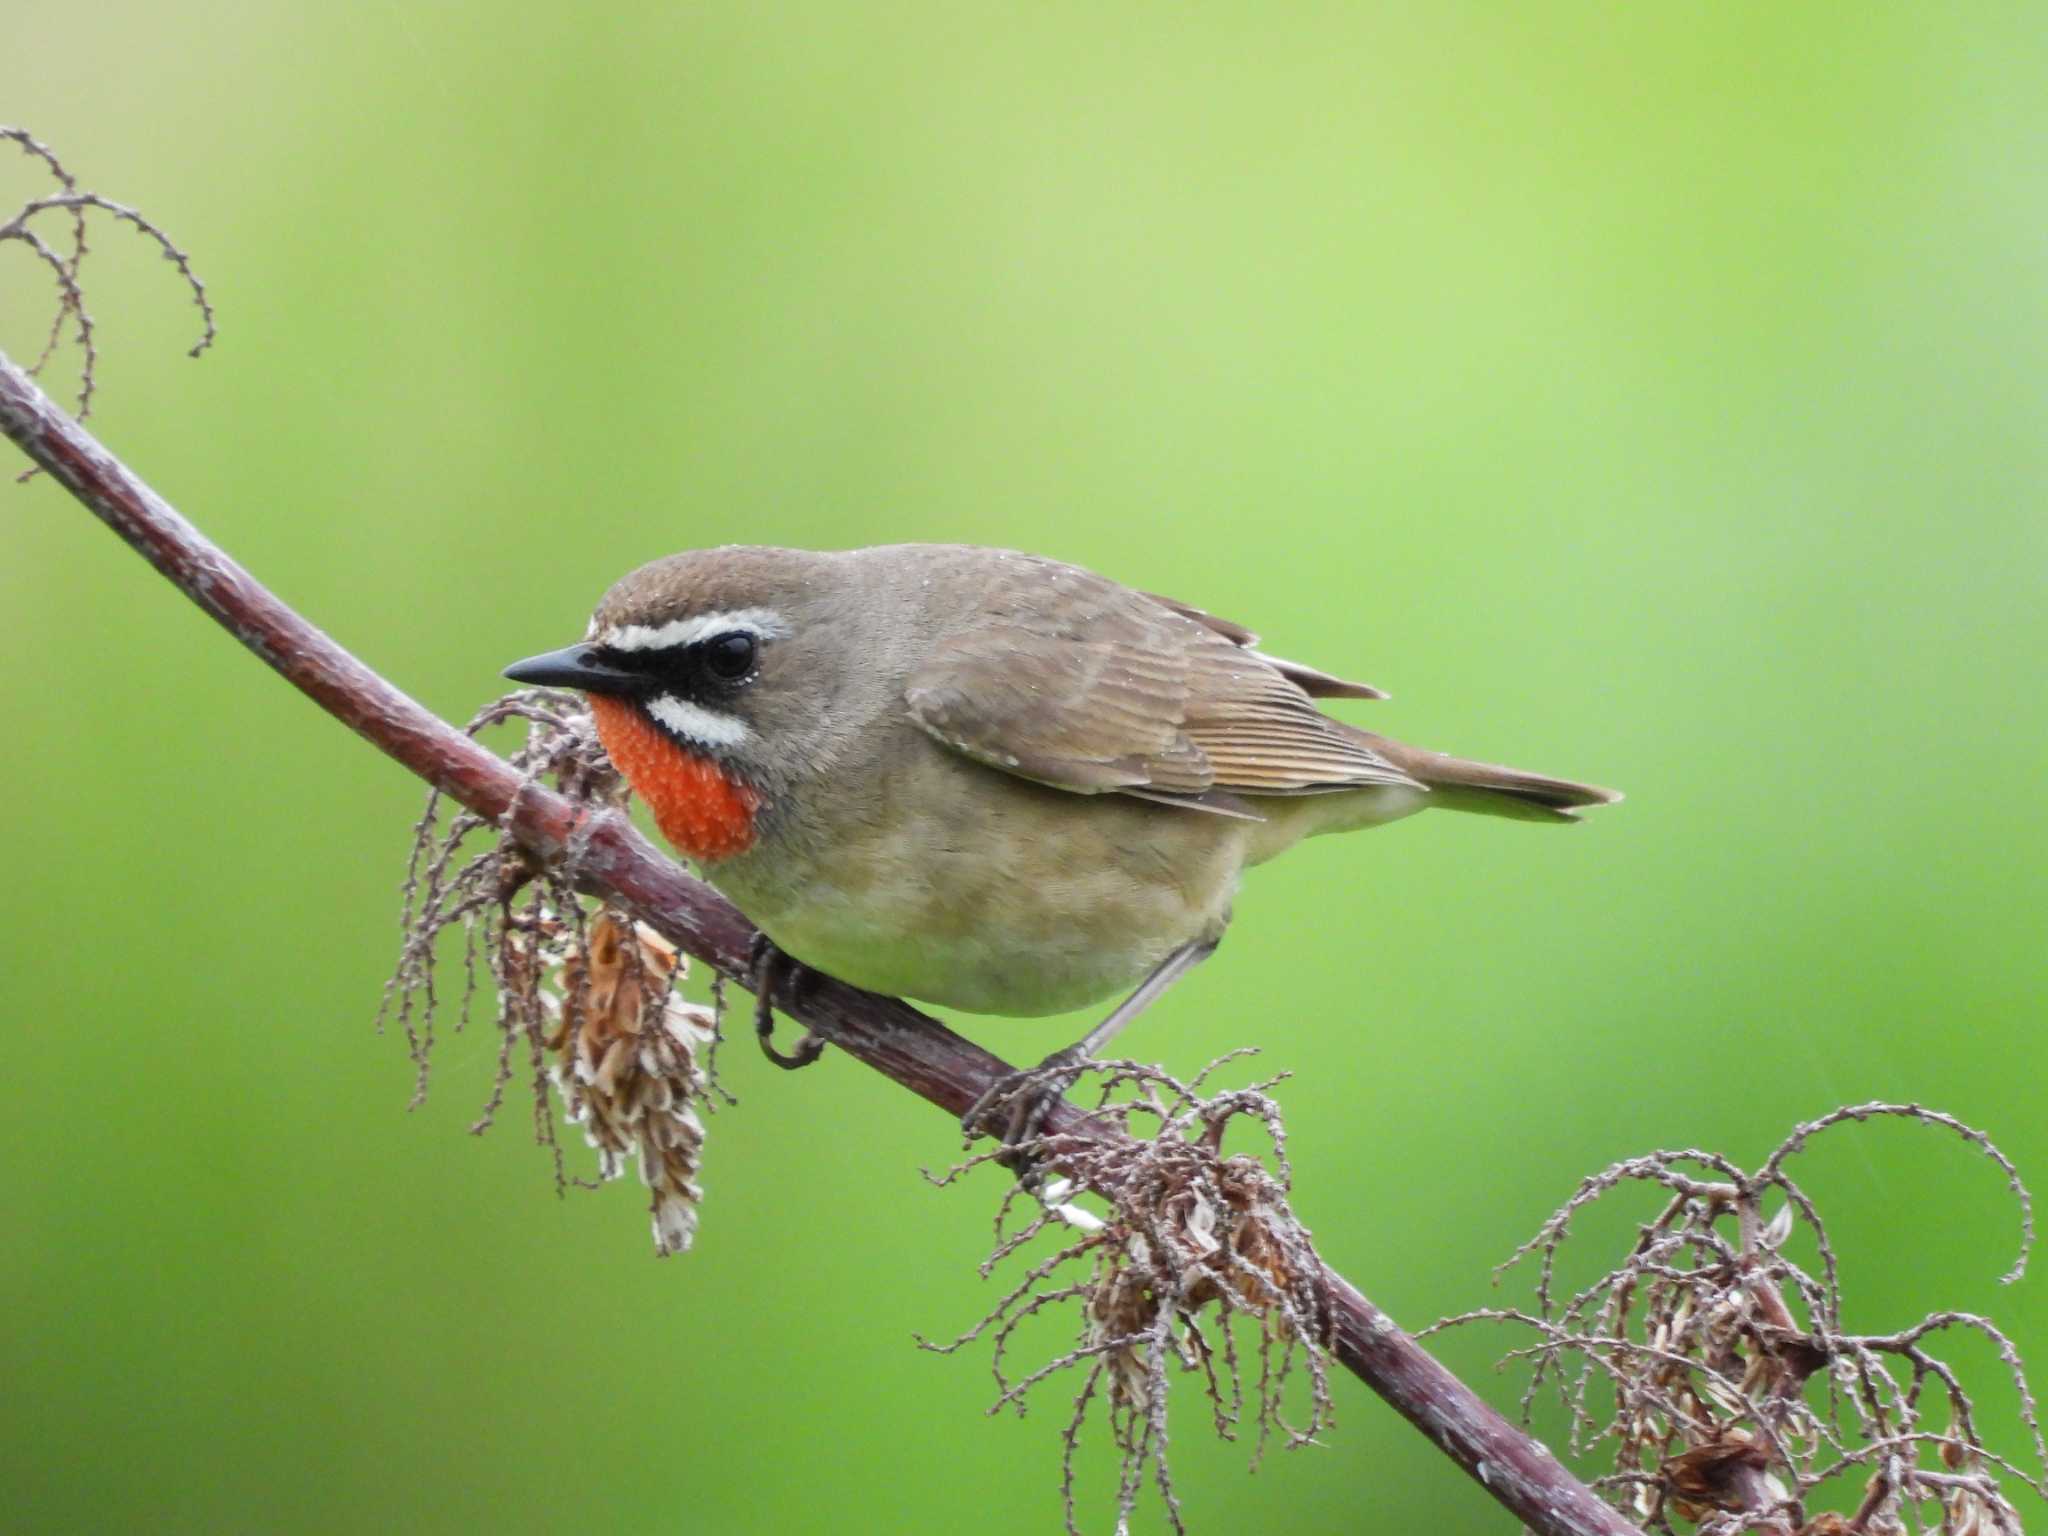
(1073, 681)
(1314, 683)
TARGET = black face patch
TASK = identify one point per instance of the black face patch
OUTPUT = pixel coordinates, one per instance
(706, 670)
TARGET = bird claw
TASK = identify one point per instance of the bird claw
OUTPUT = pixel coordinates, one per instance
(768, 968)
(1014, 1109)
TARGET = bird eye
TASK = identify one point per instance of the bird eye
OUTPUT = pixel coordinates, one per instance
(729, 657)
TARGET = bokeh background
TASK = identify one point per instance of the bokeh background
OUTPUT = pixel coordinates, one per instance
(1651, 394)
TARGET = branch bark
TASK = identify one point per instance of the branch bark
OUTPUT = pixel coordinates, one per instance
(606, 856)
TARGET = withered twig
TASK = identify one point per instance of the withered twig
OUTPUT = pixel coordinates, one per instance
(606, 856)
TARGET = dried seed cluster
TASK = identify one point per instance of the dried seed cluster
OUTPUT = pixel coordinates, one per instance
(1193, 1248)
(590, 995)
(629, 1070)
(1720, 1371)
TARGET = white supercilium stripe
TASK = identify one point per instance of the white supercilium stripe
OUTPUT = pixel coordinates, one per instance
(762, 623)
(693, 722)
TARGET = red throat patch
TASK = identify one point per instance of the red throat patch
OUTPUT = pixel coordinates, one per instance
(704, 813)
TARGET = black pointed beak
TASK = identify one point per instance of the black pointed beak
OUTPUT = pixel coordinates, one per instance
(578, 666)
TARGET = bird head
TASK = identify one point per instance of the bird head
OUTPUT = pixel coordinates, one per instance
(710, 676)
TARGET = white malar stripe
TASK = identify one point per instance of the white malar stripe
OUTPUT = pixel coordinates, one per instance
(693, 722)
(761, 623)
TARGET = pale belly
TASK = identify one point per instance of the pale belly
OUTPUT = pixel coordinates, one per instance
(1009, 899)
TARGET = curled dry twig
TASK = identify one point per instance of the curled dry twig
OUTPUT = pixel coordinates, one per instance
(590, 996)
(1187, 1230)
(64, 255)
(1731, 1390)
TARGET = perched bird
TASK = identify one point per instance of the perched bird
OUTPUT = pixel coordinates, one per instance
(981, 778)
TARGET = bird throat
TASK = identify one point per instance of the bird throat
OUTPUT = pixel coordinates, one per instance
(703, 811)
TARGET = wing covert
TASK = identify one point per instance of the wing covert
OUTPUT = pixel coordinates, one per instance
(1108, 690)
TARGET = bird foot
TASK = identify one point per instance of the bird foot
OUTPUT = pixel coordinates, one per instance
(770, 969)
(1014, 1110)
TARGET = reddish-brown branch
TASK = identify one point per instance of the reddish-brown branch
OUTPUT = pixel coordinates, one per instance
(607, 856)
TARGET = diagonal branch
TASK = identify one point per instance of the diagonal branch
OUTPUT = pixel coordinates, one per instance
(606, 856)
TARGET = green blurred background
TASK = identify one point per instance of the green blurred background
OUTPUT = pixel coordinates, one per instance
(1651, 394)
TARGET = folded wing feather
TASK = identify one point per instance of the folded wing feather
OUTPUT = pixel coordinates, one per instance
(1113, 690)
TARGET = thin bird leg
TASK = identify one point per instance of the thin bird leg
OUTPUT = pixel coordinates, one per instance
(1150, 990)
(771, 968)
(1015, 1107)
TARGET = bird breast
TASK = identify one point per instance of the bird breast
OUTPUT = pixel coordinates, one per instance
(966, 887)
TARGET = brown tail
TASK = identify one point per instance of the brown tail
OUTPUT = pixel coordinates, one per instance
(1459, 784)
